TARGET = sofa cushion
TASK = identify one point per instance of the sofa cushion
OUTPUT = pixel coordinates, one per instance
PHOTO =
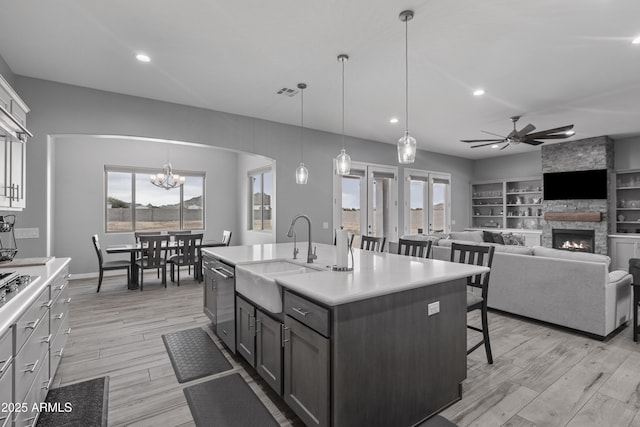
(578, 256)
(472, 236)
(514, 249)
(422, 237)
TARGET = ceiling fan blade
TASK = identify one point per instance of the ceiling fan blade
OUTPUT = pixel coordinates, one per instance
(542, 133)
(484, 145)
(494, 134)
(481, 140)
(555, 136)
(532, 142)
(508, 144)
(525, 130)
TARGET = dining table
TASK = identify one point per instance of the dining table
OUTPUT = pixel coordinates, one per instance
(133, 249)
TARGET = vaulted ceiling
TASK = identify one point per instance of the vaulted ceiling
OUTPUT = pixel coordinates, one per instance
(555, 62)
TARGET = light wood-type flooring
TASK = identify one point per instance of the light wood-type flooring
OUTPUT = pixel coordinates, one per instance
(542, 376)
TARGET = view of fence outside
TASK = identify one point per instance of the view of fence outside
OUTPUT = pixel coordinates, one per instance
(351, 220)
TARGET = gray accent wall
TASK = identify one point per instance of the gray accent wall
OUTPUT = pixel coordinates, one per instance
(60, 109)
(6, 72)
(627, 153)
(78, 183)
(506, 167)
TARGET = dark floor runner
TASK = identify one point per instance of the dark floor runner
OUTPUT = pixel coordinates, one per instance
(227, 401)
(193, 354)
(87, 400)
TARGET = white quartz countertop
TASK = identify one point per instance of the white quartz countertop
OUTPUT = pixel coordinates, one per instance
(41, 277)
(374, 273)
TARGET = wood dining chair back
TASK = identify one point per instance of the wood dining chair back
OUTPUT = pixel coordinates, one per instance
(187, 254)
(226, 237)
(139, 234)
(418, 248)
(370, 243)
(108, 265)
(154, 256)
(482, 256)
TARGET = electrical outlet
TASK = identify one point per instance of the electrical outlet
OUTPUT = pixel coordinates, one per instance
(325, 225)
(27, 233)
(433, 308)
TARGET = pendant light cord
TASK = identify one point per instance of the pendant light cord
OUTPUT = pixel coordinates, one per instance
(343, 60)
(406, 73)
(301, 125)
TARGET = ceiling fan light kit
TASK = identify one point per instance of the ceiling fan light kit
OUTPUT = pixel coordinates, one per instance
(302, 174)
(525, 135)
(407, 143)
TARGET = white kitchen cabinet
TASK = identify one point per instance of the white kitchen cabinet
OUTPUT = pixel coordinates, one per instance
(13, 134)
(621, 249)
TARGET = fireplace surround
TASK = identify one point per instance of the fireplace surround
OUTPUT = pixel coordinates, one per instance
(573, 240)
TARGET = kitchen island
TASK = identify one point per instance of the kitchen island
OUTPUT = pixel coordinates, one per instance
(384, 344)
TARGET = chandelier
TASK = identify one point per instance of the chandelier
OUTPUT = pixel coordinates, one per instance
(167, 179)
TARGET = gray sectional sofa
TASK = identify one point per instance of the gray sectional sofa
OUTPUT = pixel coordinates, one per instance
(571, 289)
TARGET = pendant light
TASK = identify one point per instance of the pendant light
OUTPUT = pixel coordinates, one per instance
(406, 144)
(302, 174)
(343, 161)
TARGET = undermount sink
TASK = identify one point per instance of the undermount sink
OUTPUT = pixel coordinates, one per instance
(257, 281)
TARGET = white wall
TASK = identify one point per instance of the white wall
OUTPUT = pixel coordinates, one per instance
(78, 189)
(59, 109)
(248, 163)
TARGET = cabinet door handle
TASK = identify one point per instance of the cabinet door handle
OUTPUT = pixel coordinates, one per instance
(47, 304)
(67, 301)
(258, 326)
(33, 366)
(60, 352)
(67, 332)
(61, 287)
(33, 324)
(59, 316)
(46, 384)
(251, 324)
(300, 311)
(67, 276)
(6, 364)
(47, 339)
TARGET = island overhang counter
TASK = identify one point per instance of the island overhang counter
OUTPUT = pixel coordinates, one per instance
(384, 344)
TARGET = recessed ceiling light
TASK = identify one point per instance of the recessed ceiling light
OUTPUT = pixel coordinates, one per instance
(495, 146)
(478, 92)
(143, 58)
(636, 40)
(393, 120)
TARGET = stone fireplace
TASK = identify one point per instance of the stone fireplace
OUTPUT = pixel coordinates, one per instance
(573, 240)
(591, 215)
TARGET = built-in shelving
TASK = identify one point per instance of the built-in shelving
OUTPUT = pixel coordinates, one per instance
(511, 204)
(627, 202)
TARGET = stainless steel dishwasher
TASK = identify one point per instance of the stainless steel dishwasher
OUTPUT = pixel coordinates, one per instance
(225, 302)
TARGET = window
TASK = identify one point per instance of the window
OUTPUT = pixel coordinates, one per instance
(260, 193)
(427, 202)
(180, 208)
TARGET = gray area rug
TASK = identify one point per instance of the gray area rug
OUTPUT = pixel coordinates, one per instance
(88, 401)
(227, 401)
(193, 354)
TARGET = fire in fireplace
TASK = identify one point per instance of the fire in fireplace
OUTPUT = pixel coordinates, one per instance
(574, 240)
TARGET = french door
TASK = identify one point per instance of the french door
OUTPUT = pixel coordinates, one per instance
(427, 200)
(366, 201)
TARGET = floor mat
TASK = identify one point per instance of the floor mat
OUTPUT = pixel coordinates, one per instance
(86, 402)
(227, 401)
(194, 355)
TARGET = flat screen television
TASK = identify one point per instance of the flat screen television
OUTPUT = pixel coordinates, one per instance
(591, 184)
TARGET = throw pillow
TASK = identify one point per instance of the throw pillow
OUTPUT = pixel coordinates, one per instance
(488, 236)
(513, 239)
(498, 238)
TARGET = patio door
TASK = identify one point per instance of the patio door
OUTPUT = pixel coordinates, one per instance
(366, 201)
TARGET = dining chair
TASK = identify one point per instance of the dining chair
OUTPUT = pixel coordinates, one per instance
(109, 265)
(172, 236)
(187, 254)
(482, 256)
(153, 256)
(226, 237)
(371, 243)
(419, 248)
(138, 234)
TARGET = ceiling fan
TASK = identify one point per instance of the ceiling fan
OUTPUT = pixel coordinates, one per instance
(523, 135)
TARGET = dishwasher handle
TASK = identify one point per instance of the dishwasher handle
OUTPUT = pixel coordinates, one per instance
(222, 272)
